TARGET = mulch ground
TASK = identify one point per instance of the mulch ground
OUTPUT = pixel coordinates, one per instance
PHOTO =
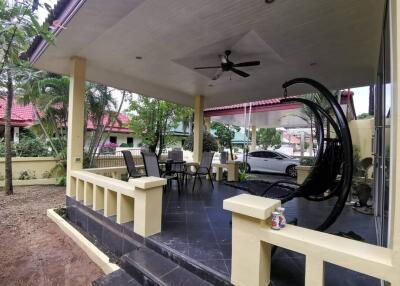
(33, 250)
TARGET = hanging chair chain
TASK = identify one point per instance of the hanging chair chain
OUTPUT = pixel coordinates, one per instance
(285, 93)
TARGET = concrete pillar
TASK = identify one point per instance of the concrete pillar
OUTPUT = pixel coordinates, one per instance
(76, 122)
(198, 128)
(207, 123)
(16, 135)
(302, 143)
(253, 145)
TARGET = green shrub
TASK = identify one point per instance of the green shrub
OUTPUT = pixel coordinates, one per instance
(61, 181)
(307, 161)
(244, 176)
(46, 175)
(209, 143)
(27, 175)
(26, 147)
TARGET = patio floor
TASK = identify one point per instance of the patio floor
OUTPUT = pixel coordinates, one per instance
(195, 225)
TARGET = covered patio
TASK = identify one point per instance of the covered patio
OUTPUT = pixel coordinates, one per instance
(153, 48)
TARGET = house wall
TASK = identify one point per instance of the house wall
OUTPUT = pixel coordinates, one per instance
(121, 138)
(361, 134)
(38, 167)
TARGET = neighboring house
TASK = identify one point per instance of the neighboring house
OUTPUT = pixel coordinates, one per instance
(23, 116)
(119, 133)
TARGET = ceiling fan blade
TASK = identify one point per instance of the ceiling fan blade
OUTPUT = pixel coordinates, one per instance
(217, 74)
(239, 72)
(223, 58)
(202, 68)
(247, 64)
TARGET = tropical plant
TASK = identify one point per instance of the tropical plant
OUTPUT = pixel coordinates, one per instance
(18, 27)
(154, 121)
(307, 161)
(209, 143)
(244, 175)
(48, 94)
(26, 147)
(364, 116)
(225, 134)
(268, 137)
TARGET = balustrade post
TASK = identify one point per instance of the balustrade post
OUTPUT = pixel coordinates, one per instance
(251, 257)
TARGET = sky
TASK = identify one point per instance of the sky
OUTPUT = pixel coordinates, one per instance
(42, 12)
(361, 99)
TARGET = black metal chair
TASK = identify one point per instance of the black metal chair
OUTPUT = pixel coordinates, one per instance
(152, 168)
(130, 165)
(203, 169)
(177, 168)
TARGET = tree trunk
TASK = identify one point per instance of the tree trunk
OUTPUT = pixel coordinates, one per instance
(44, 130)
(230, 150)
(7, 136)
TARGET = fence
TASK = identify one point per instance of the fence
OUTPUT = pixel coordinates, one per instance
(138, 200)
(116, 159)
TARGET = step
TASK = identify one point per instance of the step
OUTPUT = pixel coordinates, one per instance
(203, 271)
(116, 278)
(150, 268)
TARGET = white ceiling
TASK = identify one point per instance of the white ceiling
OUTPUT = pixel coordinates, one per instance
(334, 42)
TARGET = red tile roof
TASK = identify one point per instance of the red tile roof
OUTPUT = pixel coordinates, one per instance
(242, 105)
(120, 126)
(21, 115)
(24, 116)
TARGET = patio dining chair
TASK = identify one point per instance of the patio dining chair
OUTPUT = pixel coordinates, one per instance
(177, 168)
(130, 165)
(152, 168)
(203, 169)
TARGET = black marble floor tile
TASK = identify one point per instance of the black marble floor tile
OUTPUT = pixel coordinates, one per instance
(197, 224)
(151, 261)
(182, 277)
(112, 240)
(205, 251)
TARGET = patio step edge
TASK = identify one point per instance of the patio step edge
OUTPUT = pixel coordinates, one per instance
(151, 268)
(118, 277)
(199, 269)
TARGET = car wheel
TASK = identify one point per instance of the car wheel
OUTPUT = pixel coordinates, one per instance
(291, 171)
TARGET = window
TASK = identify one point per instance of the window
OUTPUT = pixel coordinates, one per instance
(256, 154)
(129, 141)
(113, 139)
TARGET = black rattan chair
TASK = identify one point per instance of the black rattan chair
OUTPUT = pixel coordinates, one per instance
(152, 168)
(130, 165)
(204, 169)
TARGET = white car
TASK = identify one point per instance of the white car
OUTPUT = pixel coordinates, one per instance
(270, 161)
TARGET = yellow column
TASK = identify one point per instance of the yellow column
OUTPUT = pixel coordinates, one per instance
(198, 128)
(253, 138)
(395, 140)
(75, 119)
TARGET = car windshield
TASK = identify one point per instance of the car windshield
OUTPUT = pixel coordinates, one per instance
(284, 155)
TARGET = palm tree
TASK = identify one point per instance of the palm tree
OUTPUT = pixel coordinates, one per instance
(18, 26)
(48, 94)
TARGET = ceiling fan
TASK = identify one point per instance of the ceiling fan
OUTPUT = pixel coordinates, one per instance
(227, 65)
